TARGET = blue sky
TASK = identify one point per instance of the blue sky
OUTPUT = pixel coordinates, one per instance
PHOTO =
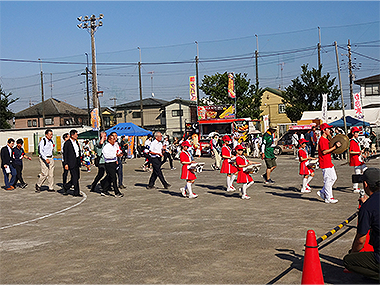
(166, 32)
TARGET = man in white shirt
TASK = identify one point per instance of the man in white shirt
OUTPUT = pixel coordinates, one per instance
(155, 152)
(111, 151)
(45, 149)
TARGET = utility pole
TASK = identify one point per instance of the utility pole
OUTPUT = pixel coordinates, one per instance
(42, 97)
(92, 23)
(350, 74)
(257, 62)
(151, 82)
(340, 86)
(140, 86)
(196, 74)
(87, 90)
(51, 85)
(319, 47)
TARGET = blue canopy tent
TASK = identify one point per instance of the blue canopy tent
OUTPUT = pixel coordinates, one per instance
(128, 129)
(350, 121)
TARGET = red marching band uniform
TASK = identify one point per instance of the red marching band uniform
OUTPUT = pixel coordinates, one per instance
(354, 158)
(186, 173)
(227, 167)
(243, 177)
(304, 170)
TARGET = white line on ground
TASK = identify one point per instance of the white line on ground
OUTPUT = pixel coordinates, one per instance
(48, 215)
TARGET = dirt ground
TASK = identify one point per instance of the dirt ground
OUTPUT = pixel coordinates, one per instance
(158, 236)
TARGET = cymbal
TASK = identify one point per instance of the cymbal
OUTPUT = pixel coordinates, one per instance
(343, 139)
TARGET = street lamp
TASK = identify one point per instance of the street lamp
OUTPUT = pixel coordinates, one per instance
(92, 23)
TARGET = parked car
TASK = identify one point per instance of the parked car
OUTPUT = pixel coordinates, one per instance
(205, 147)
(284, 144)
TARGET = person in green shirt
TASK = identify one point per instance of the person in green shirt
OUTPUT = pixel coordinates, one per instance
(267, 153)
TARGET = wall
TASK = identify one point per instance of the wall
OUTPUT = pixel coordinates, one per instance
(368, 100)
(28, 135)
(22, 123)
(173, 123)
(151, 117)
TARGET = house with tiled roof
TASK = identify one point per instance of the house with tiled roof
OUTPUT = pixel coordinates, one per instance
(154, 116)
(57, 114)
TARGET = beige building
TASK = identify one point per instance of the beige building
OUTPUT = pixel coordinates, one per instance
(272, 106)
(153, 114)
(179, 112)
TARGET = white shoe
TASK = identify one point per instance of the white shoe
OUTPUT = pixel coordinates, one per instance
(192, 196)
(357, 191)
(331, 201)
(231, 189)
(308, 187)
(183, 191)
(305, 191)
(320, 194)
(245, 197)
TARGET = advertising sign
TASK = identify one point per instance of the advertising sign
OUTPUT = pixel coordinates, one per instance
(231, 85)
(358, 106)
(266, 122)
(95, 120)
(193, 89)
(324, 108)
(131, 143)
(216, 112)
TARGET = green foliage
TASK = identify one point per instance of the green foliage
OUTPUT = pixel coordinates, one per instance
(305, 93)
(5, 113)
(248, 97)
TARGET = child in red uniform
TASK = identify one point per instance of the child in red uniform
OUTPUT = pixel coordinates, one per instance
(186, 159)
(355, 152)
(227, 166)
(307, 172)
(243, 177)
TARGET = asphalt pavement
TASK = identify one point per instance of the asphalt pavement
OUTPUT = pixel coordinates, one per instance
(158, 236)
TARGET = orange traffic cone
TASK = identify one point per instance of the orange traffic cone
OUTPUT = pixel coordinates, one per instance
(312, 270)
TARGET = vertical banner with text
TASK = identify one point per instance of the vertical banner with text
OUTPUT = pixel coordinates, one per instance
(231, 85)
(193, 89)
(324, 108)
(95, 120)
(266, 122)
(358, 106)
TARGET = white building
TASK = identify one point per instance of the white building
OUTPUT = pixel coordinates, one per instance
(369, 91)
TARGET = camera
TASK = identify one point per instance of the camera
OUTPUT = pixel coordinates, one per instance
(357, 178)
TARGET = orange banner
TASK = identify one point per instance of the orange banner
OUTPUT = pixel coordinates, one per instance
(193, 89)
(231, 86)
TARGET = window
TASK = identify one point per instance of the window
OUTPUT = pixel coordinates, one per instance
(177, 113)
(371, 89)
(107, 122)
(136, 115)
(49, 121)
(281, 108)
(32, 123)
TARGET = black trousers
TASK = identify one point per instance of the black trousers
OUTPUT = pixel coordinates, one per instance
(313, 149)
(101, 171)
(120, 171)
(363, 263)
(148, 159)
(18, 168)
(111, 178)
(168, 156)
(64, 174)
(75, 175)
(157, 172)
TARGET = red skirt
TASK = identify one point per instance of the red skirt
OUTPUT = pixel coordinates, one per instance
(243, 177)
(187, 174)
(228, 167)
(304, 170)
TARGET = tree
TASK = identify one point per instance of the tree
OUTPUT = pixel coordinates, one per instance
(5, 113)
(305, 93)
(248, 97)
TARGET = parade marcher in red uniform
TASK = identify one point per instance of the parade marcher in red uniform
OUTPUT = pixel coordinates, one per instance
(306, 171)
(243, 177)
(186, 159)
(355, 153)
(325, 163)
(227, 166)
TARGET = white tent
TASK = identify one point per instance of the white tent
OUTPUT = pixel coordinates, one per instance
(371, 115)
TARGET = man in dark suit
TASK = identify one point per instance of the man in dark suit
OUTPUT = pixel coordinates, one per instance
(71, 154)
(7, 164)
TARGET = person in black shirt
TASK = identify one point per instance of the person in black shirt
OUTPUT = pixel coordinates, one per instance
(367, 263)
(19, 154)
